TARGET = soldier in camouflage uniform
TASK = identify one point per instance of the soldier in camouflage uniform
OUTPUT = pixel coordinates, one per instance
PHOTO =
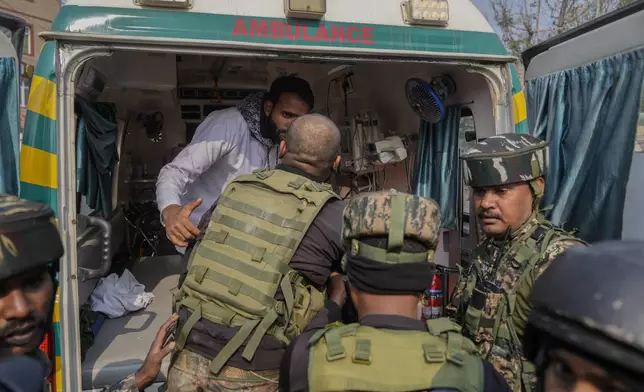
(390, 239)
(490, 300)
(30, 247)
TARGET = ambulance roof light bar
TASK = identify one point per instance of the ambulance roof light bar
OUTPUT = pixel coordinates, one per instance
(425, 12)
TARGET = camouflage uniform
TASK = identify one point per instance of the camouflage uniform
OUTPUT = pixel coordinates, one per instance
(369, 215)
(492, 305)
(128, 384)
(29, 239)
(190, 372)
(375, 353)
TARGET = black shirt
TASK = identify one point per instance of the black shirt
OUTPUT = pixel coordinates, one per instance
(294, 368)
(319, 253)
(23, 373)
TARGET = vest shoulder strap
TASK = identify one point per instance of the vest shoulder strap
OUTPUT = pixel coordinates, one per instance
(533, 251)
(286, 182)
(556, 233)
(441, 326)
(333, 335)
(456, 342)
(318, 334)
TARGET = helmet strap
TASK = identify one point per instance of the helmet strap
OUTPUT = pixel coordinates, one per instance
(537, 194)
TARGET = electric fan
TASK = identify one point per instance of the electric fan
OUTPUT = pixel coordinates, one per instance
(427, 99)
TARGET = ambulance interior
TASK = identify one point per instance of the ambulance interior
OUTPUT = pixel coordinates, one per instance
(160, 99)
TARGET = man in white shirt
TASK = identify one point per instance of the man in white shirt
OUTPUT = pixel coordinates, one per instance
(229, 143)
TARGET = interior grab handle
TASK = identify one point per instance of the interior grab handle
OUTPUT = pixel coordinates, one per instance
(106, 257)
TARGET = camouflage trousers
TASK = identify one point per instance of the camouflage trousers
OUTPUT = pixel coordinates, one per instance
(189, 372)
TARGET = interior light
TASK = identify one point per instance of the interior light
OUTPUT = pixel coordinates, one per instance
(185, 4)
(425, 12)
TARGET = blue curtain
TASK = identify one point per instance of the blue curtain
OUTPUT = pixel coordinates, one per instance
(96, 153)
(588, 115)
(9, 127)
(436, 169)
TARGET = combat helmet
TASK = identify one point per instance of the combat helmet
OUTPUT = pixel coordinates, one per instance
(395, 215)
(399, 266)
(598, 316)
(29, 237)
(506, 159)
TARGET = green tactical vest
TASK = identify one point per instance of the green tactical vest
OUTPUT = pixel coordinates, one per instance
(360, 358)
(235, 272)
(486, 314)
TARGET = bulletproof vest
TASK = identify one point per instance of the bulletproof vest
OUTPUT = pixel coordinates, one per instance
(360, 358)
(485, 310)
(235, 272)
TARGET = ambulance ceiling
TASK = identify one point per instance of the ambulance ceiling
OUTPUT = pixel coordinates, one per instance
(200, 70)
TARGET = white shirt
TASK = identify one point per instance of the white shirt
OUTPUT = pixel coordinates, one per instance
(221, 150)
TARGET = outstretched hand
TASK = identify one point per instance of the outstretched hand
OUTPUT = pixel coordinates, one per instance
(151, 367)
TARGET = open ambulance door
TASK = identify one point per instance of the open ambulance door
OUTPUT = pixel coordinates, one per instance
(584, 95)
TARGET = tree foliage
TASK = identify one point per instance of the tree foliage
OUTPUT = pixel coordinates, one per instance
(524, 23)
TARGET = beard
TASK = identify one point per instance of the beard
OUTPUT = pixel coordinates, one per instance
(271, 130)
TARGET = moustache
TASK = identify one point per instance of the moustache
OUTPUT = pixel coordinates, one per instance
(487, 214)
(19, 326)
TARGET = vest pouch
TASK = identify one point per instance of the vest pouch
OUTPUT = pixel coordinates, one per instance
(460, 297)
(472, 319)
(474, 310)
(529, 377)
(308, 303)
(457, 298)
(488, 327)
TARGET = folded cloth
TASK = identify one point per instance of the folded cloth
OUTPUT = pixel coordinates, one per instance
(116, 297)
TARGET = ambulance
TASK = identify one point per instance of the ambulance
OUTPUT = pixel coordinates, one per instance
(121, 85)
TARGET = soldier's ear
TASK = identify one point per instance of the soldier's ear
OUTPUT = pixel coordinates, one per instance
(336, 163)
(541, 183)
(268, 107)
(282, 150)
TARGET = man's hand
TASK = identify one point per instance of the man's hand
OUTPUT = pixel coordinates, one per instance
(337, 289)
(151, 367)
(178, 226)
